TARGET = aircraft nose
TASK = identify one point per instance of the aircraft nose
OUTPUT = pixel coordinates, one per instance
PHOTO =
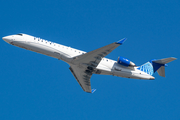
(7, 39)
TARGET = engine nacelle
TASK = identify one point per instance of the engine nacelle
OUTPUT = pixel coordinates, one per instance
(125, 62)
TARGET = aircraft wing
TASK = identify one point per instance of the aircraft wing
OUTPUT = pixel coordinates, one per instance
(94, 57)
(90, 59)
(82, 77)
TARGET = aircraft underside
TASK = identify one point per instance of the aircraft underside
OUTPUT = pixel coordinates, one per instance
(83, 65)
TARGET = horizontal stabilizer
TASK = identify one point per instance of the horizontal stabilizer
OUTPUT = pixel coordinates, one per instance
(164, 61)
(161, 71)
(156, 65)
(159, 65)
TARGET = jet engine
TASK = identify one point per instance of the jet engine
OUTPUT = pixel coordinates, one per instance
(125, 62)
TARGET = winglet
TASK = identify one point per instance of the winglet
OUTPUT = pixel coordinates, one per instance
(93, 90)
(121, 41)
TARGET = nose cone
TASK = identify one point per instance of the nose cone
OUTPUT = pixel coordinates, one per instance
(7, 39)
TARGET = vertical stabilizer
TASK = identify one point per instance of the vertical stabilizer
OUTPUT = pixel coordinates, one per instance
(159, 65)
(156, 65)
(147, 68)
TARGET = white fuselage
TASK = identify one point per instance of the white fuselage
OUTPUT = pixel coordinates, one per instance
(65, 53)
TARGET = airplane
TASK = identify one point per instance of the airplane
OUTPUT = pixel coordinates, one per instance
(84, 64)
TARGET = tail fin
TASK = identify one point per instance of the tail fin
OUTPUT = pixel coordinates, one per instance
(156, 65)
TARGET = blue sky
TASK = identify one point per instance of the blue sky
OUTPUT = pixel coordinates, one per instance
(34, 86)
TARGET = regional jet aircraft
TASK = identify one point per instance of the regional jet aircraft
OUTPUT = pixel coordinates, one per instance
(83, 65)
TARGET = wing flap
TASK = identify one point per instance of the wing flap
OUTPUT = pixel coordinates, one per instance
(82, 77)
(94, 57)
(91, 61)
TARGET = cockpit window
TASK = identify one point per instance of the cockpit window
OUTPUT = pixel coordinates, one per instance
(20, 34)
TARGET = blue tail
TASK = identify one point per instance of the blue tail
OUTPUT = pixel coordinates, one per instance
(156, 65)
(147, 68)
